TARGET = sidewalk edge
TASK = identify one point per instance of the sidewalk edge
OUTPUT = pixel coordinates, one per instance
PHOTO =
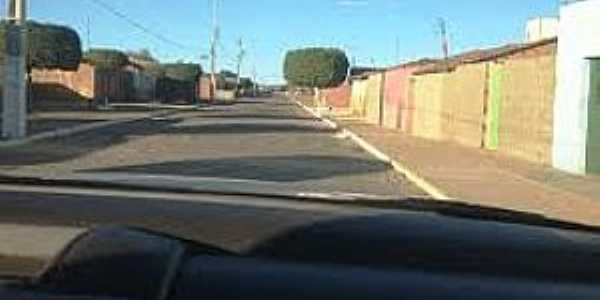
(398, 167)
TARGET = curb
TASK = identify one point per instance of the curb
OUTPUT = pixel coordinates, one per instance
(71, 131)
(398, 167)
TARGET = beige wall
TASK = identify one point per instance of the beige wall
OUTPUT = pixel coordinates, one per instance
(357, 103)
(463, 105)
(526, 115)
(374, 98)
(426, 94)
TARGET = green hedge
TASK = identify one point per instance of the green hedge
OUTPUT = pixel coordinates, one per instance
(107, 59)
(49, 46)
(316, 67)
(185, 72)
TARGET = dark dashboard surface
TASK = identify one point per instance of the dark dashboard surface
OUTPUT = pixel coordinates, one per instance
(234, 249)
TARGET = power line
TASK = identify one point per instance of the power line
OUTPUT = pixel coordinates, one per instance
(136, 24)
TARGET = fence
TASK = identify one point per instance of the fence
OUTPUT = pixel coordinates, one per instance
(114, 86)
(426, 92)
(463, 104)
(337, 97)
(80, 82)
(374, 98)
(527, 108)
(357, 99)
(396, 113)
(397, 105)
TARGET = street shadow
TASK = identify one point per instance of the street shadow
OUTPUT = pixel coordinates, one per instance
(57, 97)
(242, 128)
(257, 116)
(249, 101)
(65, 148)
(293, 168)
(282, 103)
(50, 124)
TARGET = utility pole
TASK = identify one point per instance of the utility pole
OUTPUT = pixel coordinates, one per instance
(350, 67)
(14, 113)
(444, 37)
(254, 83)
(397, 50)
(240, 58)
(213, 49)
(88, 32)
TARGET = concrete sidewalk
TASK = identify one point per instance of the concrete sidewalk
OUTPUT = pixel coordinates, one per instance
(480, 177)
(484, 178)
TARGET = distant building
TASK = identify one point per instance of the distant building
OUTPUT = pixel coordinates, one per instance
(541, 29)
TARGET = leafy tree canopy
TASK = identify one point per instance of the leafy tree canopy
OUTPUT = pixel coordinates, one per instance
(316, 67)
(50, 46)
(187, 72)
(107, 59)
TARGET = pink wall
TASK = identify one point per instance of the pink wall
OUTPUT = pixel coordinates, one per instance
(338, 96)
(397, 111)
(204, 88)
(398, 107)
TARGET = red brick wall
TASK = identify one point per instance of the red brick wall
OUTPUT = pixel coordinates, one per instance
(204, 88)
(398, 107)
(80, 82)
(338, 97)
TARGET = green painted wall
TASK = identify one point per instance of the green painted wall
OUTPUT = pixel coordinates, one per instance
(494, 104)
(593, 138)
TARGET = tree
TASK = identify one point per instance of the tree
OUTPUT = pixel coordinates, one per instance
(246, 83)
(316, 67)
(228, 74)
(186, 72)
(107, 59)
(143, 56)
(49, 46)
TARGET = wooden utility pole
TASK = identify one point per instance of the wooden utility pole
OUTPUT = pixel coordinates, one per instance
(214, 41)
(254, 83)
(397, 50)
(88, 33)
(240, 59)
(444, 38)
(14, 113)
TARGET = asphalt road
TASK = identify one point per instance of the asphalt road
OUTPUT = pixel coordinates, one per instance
(257, 146)
(266, 143)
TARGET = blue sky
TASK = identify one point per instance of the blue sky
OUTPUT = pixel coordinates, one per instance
(366, 29)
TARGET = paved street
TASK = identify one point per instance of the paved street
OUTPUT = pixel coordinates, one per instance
(257, 143)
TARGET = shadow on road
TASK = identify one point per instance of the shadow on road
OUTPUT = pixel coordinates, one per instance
(241, 128)
(258, 116)
(291, 168)
(65, 148)
(61, 149)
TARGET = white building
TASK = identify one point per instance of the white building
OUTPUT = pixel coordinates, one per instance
(576, 114)
(541, 28)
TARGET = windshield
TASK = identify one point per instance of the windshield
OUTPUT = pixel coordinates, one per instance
(460, 107)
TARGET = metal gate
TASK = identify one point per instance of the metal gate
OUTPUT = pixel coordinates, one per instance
(593, 136)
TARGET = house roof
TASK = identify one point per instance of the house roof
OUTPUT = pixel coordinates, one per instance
(357, 73)
(420, 62)
(480, 55)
